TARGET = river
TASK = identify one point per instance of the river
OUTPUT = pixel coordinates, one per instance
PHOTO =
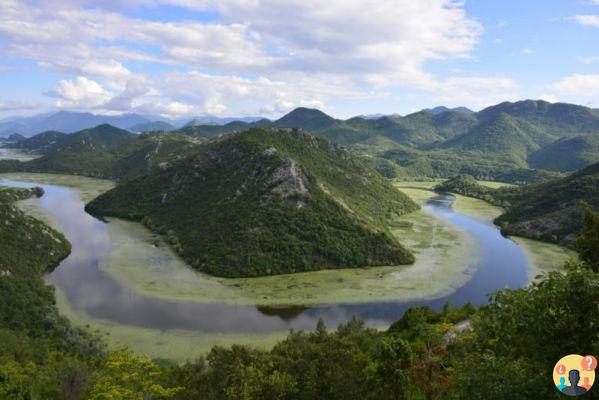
(89, 289)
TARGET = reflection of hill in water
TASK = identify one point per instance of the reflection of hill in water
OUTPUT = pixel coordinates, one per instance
(443, 201)
(286, 313)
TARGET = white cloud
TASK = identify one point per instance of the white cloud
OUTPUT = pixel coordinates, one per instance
(111, 70)
(579, 85)
(232, 94)
(590, 60)
(172, 109)
(588, 20)
(527, 51)
(259, 56)
(394, 36)
(79, 93)
(134, 89)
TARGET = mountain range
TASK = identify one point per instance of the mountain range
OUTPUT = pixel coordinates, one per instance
(525, 141)
(69, 122)
(309, 180)
(509, 141)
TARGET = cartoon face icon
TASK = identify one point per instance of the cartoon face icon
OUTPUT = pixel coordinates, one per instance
(574, 375)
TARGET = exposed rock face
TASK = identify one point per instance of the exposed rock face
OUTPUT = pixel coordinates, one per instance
(289, 178)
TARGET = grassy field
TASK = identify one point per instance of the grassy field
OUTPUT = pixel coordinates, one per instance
(476, 209)
(543, 257)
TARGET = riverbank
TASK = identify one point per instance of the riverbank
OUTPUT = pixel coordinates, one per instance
(136, 262)
(541, 256)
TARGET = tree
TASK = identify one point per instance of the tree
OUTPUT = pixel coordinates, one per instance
(519, 336)
(16, 380)
(587, 244)
(127, 377)
(392, 361)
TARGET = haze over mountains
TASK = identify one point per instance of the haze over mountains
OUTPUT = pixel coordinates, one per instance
(69, 122)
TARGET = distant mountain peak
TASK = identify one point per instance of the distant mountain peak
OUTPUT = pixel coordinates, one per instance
(441, 109)
(307, 118)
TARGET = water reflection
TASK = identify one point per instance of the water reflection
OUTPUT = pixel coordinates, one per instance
(89, 289)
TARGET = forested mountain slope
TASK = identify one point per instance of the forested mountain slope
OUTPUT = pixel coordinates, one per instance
(27, 246)
(495, 143)
(267, 201)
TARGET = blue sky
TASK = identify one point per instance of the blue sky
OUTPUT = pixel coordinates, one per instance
(180, 58)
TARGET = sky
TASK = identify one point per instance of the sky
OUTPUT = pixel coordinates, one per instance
(183, 58)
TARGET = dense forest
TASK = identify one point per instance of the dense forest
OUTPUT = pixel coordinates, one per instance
(504, 350)
(27, 246)
(264, 202)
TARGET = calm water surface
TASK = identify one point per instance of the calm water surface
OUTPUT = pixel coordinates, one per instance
(87, 288)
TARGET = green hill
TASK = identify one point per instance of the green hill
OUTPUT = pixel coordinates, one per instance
(560, 119)
(42, 143)
(27, 245)
(423, 129)
(468, 186)
(267, 201)
(567, 154)
(503, 137)
(306, 118)
(89, 152)
(551, 211)
(103, 152)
